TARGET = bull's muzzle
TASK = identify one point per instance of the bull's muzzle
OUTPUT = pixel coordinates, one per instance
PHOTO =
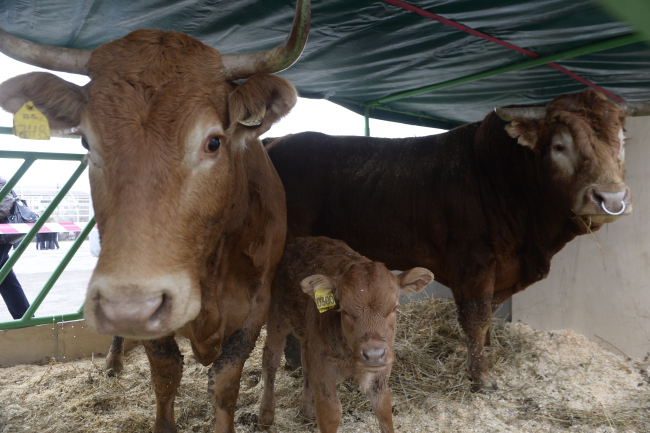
(145, 309)
(607, 202)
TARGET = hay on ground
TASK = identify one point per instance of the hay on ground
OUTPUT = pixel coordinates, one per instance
(549, 382)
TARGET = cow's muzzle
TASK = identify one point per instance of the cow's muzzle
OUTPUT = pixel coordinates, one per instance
(144, 310)
(374, 355)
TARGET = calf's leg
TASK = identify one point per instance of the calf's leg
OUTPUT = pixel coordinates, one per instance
(166, 362)
(322, 382)
(379, 395)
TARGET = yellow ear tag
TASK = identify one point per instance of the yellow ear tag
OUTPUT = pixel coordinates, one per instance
(31, 123)
(324, 299)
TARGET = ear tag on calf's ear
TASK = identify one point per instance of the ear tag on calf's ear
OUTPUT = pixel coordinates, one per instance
(31, 123)
(324, 299)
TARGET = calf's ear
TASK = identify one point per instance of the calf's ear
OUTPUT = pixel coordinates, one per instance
(60, 101)
(261, 101)
(414, 280)
(525, 131)
(312, 282)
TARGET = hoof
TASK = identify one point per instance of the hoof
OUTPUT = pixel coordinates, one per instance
(114, 369)
(485, 386)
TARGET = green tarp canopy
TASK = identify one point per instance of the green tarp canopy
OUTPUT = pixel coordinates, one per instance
(369, 55)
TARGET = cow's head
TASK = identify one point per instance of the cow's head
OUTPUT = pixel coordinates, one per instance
(168, 135)
(367, 296)
(579, 139)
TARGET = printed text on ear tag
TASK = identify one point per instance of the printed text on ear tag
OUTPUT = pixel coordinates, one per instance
(324, 299)
(31, 123)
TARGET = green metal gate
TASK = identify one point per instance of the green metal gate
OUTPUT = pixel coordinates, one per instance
(29, 158)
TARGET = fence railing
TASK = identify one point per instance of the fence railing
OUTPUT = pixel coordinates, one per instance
(28, 318)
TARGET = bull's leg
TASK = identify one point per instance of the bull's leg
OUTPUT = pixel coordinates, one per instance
(115, 358)
(225, 374)
(379, 395)
(166, 363)
(322, 380)
(475, 316)
(276, 331)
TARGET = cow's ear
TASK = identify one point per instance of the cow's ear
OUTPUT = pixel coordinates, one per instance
(60, 101)
(414, 280)
(313, 282)
(525, 131)
(261, 101)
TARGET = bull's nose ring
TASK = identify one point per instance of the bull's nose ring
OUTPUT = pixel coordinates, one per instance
(602, 204)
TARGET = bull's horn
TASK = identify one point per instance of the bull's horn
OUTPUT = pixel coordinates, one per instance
(520, 113)
(276, 59)
(61, 59)
(636, 108)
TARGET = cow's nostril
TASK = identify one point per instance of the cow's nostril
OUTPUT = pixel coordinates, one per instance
(147, 314)
(374, 356)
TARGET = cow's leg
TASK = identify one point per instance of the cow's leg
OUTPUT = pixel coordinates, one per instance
(475, 316)
(276, 331)
(322, 380)
(379, 395)
(115, 358)
(225, 373)
(166, 363)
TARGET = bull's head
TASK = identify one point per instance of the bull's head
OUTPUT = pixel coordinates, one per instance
(580, 140)
(367, 295)
(170, 142)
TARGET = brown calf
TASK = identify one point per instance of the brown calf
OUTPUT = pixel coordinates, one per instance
(353, 339)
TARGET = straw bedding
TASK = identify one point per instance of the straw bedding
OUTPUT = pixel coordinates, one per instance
(549, 382)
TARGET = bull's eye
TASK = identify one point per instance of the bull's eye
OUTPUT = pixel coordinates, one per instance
(559, 148)
(213, 144)
(84, 143)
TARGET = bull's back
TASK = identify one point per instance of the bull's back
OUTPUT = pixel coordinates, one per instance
(392, 200)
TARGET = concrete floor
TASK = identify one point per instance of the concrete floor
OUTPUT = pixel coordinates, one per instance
(34, 268)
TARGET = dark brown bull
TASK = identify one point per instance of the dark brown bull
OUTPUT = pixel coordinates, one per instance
(190, 210)
(484, 206)
(353, 339)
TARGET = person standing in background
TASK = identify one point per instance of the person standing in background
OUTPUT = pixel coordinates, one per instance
(10, 289)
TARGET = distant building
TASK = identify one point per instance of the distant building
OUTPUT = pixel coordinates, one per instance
(75, 206)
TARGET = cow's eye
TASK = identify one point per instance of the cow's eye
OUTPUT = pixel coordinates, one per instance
(84, 143)
(213, 144)
(559, 148)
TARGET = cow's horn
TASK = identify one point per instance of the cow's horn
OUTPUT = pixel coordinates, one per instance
(520, 113)
(276, 59)
(636, 108)
(61, 59)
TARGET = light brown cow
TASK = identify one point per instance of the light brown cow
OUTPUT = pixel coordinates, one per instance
(190, 210)
(353, 339)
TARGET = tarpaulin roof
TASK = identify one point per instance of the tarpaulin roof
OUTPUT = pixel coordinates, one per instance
(364, 54)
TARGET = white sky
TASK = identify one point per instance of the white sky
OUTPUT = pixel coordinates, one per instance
(307, 115)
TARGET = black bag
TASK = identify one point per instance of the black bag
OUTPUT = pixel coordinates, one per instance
(20, 213)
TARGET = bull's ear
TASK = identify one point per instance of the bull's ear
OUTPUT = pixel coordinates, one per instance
(60, 101)
(526, 132)
(261, 101)
(414, 280)
(312, 282)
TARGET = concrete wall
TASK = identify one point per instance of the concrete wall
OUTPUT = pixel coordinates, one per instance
(602, 288)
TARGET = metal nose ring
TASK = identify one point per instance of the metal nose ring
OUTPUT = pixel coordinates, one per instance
(602, 204)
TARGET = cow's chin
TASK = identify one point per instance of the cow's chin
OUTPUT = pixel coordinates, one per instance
(145, 309)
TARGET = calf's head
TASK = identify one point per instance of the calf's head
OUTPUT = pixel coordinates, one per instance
(367, 297)
(580, 142)
(168, 137)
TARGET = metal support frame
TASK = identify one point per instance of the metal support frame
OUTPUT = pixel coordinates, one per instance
(30, 157)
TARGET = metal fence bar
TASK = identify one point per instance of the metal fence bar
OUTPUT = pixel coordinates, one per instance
(26, 319)
(43, 218)
(15, 178)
